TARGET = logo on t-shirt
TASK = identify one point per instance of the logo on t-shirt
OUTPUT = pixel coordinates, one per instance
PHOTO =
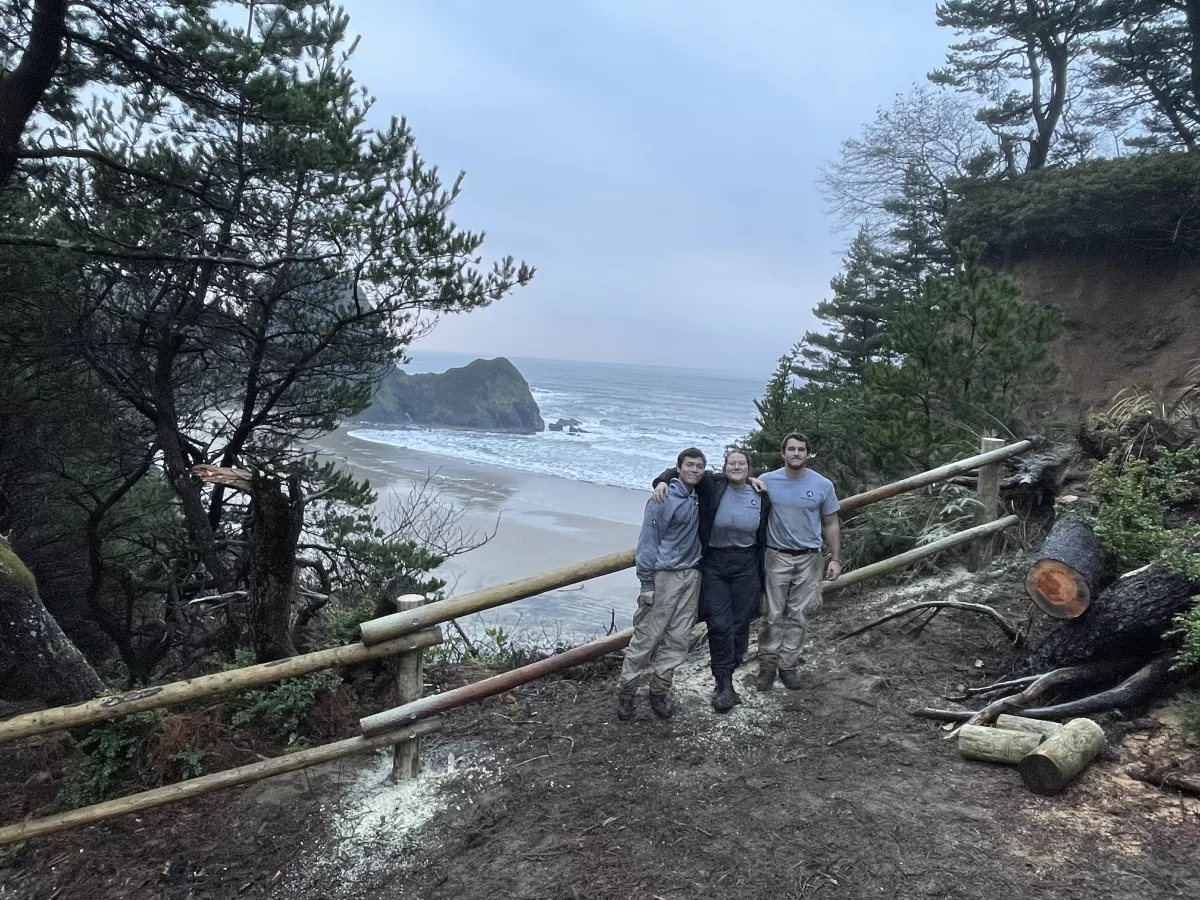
(808, 493)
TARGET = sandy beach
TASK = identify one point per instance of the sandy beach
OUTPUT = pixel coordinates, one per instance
(539, 522)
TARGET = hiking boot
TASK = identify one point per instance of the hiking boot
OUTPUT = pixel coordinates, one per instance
(790, 679)
(725, 698)
(662, 706)
(766, 678)
(625, 705)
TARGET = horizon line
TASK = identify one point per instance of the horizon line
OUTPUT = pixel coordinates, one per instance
(599, 362)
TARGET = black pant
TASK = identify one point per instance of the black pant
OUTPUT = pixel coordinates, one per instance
(730, 586)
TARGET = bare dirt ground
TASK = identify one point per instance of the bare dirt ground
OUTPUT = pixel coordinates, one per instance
(834, 790)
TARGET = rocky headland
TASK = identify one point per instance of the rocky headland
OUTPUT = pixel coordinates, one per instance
(484, 395)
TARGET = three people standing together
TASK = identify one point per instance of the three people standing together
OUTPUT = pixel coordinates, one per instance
(710, 543)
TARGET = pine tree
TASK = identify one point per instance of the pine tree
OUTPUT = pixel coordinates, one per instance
(856, 316)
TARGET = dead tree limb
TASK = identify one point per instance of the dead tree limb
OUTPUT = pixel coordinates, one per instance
(1131, 694)
(1059, 678)
(1013, 633)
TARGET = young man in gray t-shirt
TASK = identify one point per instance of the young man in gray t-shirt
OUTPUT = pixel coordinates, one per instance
(803, 504)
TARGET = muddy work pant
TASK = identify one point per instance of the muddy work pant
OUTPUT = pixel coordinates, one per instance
(793, 593)
(661, 631)
(730, 587)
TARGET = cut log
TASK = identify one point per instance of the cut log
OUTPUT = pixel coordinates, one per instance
(1071, 568)
(1127, 619)
(998, 745)
(1031, 726)
(1050, 768)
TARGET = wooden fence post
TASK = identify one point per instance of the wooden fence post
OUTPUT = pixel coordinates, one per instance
(987, 492)
(410, 686)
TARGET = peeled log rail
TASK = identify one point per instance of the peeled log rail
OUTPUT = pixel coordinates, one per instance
(1032, 726)
(206, 784)
(1127, 619)
(997, 745)
(488, 687)
(1071, 568)
(1050, 768)
(387, 627)
(103, 708)
(933, 476)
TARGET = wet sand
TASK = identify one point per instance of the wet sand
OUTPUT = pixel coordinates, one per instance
(537, 522)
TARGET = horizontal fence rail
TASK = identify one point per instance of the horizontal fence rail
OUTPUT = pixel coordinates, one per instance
(206, 784)
(140, 700)
(391, 719)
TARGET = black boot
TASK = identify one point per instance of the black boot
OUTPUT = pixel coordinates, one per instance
(790, 679)
(662, 706)
(625, 705)
(726, 698)
(766, 677)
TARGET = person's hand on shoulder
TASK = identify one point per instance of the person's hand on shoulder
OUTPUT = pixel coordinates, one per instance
(757, 484)
(660, 494)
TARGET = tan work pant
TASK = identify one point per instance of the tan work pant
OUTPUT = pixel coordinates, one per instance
(793, 588)
(661, 631)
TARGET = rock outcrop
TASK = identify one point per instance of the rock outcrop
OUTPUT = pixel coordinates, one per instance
(484, 395)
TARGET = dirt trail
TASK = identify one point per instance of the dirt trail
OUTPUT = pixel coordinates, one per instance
(830, 791)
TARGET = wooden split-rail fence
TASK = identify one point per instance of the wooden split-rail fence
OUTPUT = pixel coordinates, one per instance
(414, 627)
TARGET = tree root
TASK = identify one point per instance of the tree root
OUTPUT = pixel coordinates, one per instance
(1014, 634)
(1144, 684)
(1170, 781)
(1059, 678)
(994, 688)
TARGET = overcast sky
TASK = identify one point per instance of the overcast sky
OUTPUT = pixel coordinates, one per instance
(655, 159)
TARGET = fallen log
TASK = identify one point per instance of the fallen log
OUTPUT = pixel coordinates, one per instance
(1070, 569)
(1127, 619)
(1050, 768)
(999, 745)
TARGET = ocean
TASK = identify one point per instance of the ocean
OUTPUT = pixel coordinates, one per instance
(636, 419)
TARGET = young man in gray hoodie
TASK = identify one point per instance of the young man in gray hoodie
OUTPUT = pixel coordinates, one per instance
(668, 556)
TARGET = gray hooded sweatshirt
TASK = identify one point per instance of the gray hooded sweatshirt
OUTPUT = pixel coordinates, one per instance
(670, 537)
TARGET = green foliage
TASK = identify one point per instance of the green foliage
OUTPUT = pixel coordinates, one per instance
(281, 709)
(1187, 629)
(1138, 202)
(1137, 500)
(961, 358)
(190, 762)
(111, 753)
(226, 252)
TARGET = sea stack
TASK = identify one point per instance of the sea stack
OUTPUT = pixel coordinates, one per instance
(484, 395)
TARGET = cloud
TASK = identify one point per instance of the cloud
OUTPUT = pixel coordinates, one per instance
(655, 159)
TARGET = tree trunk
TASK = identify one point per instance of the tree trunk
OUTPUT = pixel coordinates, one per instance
(1071, 568)
(22, 88)
(276, 519)
(1126, 620)
(37, 661)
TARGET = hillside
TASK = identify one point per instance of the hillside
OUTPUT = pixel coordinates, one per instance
(834, 790)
